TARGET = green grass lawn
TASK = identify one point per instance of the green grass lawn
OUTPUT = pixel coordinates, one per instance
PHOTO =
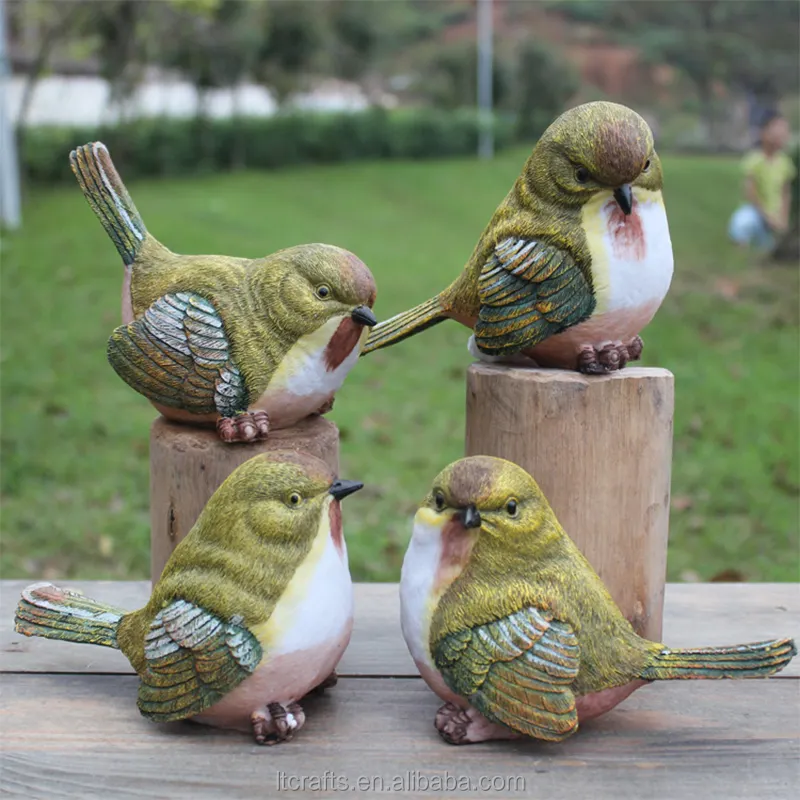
(75, 438)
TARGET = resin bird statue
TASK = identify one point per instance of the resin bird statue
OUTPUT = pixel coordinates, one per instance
(575, 261)
(511, 627)
(252, 611)
(247, 343)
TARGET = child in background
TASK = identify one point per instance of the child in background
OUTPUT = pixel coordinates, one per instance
(768, 175)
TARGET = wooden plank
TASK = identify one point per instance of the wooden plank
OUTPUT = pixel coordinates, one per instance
(600, 448)
(80, 736)
(696, 615)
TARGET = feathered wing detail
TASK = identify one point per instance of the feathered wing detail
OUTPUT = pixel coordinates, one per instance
(528, 292)
(106, 194)
(54, 613)
(193, 659)
(757, 660)
(406, 324)
(516, 671)
(177, 354)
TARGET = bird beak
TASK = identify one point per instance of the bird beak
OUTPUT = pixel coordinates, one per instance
(624, 197)
(340, 489)
(363, 316)
(470, 516)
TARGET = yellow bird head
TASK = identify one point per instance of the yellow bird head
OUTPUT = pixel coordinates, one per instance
(491, 501)
(308, 285)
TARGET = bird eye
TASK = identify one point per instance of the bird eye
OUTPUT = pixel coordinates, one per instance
(323, 291)
(646, 165)
(295, 499)
(511, 508)
(439, 500)
(582, 175)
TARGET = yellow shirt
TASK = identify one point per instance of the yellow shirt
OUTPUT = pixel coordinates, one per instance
(770, 175)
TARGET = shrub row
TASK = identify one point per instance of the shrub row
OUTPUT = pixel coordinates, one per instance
(169, 146)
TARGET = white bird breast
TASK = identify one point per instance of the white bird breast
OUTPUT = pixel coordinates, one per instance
(417, 582)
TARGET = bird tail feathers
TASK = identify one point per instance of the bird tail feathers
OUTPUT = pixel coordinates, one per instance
(108, 197)
(53, 613)
(404, 325)
(757, 660)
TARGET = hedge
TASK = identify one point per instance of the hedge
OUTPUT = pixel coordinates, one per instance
(168, 146)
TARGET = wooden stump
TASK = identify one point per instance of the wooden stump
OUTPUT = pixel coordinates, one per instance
(188, 464)
(600, 448)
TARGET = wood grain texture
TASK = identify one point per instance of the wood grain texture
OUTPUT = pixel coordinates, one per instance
(188, 464)
(600, 448)
(80, 736)
(696, 615)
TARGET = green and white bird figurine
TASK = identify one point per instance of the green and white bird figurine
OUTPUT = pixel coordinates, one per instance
(247, 343)
(575, 261)
(513, 629)
(253, 610)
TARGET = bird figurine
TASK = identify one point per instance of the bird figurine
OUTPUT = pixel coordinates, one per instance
(252, 611)
(513, 629)
(247, 343)
(575, 261)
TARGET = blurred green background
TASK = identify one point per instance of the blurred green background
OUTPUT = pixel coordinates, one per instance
(75, 438)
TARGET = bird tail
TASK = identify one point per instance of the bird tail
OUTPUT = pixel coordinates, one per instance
(53, 613)
(404, 325)
(108, 197)
(757, 660)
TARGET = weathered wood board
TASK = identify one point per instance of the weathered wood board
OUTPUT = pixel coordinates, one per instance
(80, 736)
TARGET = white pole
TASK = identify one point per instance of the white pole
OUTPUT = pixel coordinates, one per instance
(9, 168)
(485, 24)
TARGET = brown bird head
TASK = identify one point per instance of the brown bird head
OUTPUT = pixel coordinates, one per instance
(490, 499)
(594, 147)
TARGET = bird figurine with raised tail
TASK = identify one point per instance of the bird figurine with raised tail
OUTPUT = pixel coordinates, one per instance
(512, 628)
(246, 343)
(252, 611)
(575, 261)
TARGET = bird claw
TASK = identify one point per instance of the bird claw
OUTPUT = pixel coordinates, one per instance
(277, 723)
(452, 723)
(327, 406)
(610, 357)
(249, 426)
(468, 726)
(328, 683)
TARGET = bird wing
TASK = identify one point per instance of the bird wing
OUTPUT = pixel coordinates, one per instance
(177, 354)
(528, 292)
(516, 671)
(193, 658)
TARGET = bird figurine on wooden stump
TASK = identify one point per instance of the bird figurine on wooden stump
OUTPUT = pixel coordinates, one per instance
(575, 261)
(512, 628)
(253, 610)
(247, 343)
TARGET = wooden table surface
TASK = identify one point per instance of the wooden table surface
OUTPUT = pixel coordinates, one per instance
(70, 727)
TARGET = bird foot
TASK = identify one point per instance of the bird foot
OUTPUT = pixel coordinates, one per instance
(328, 683)
(277, 723)
(610, 357)
(326, 406)
(467, 726)
(249, 426)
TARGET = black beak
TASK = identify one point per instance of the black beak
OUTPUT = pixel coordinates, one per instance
(470, 516)
(363, 316)
(624, 197)
(341, 489)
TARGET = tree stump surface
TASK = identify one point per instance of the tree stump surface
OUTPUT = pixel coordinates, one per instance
(600, 448)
